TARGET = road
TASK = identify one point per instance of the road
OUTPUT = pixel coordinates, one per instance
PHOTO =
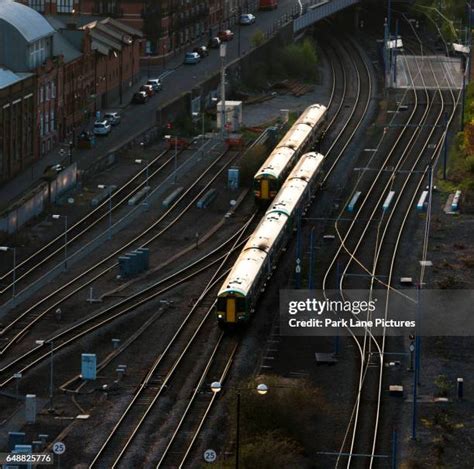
(177, 78)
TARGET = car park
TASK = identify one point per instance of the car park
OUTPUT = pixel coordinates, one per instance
(214, 43)
(202, 51)
(226, 35)
(148, 89)
(192, 58)
(247, 18)
(102, 127)
(140, 97)
(113, 118)
(155, 83)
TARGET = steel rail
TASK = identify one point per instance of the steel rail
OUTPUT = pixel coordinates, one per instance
(111, 256)
(217, 276)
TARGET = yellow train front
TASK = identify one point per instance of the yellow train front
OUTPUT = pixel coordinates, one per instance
(272, 174)
(237, 298)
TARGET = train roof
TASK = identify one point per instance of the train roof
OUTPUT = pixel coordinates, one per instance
(275, 163)
(244, 272)
(294, 187)
(296, 136)
(288, 197)
(267, 232)
(307, 166)
(312, 115)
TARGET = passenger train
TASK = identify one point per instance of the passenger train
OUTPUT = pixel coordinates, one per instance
(270, 177)
(239, 293)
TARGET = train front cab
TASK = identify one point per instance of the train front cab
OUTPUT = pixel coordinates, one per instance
(231, 309)
(265, 189)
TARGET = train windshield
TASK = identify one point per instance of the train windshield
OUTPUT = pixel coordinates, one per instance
(220, 304)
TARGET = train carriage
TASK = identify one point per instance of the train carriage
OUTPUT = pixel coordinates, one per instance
(271, 175)
(241, 289)
(237, 296)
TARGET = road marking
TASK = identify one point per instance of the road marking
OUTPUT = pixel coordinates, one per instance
(165, 74)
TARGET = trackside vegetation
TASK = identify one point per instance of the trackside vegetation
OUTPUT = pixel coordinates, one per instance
(296, 61)
(460, 174)
(275, 429)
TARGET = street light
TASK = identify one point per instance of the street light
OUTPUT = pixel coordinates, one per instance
(7, 248)
(17, 377)
(51, 369)
(140, 161)
(57, 217)
(110, 188)
(222, 54)
(216, 387)
(175, 174)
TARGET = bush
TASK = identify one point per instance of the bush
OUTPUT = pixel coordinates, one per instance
(300, 60)
(443, 385)
(269, 451)
(258, 38)
(288, 410)
(251, 162)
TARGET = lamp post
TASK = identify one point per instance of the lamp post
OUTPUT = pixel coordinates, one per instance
(222, 54)
(71, 144)
(110, 188)
(57, 217)
(51, 370)
(17, 377)
(175, 173)
(216, 387)
(7, 248)
(147, 176)
(238, 20)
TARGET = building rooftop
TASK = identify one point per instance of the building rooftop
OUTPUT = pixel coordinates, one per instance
(109, 34)
(29, 23)
(8, 78)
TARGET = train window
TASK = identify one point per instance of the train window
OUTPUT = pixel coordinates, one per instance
(221, 304)
(241, 304)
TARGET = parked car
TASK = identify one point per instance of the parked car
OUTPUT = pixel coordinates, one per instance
(192, 58)
(140, 97)
(179, 144)
(214, 43)
(247, 18)
(148, 89)
(155, 83)
(226, 35)
(113, 118)
(102, 127)
(86, 140)
(202, 51)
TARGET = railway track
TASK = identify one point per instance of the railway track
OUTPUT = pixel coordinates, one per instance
(413, 168)
(197, 335)
(32, 316)
(72, 334)
(52, 253)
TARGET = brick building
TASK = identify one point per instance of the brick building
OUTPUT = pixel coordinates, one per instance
(17, 121)
(55, 73)
(30, 50)
(167, 24)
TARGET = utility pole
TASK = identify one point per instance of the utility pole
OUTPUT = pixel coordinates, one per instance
(222, 53)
